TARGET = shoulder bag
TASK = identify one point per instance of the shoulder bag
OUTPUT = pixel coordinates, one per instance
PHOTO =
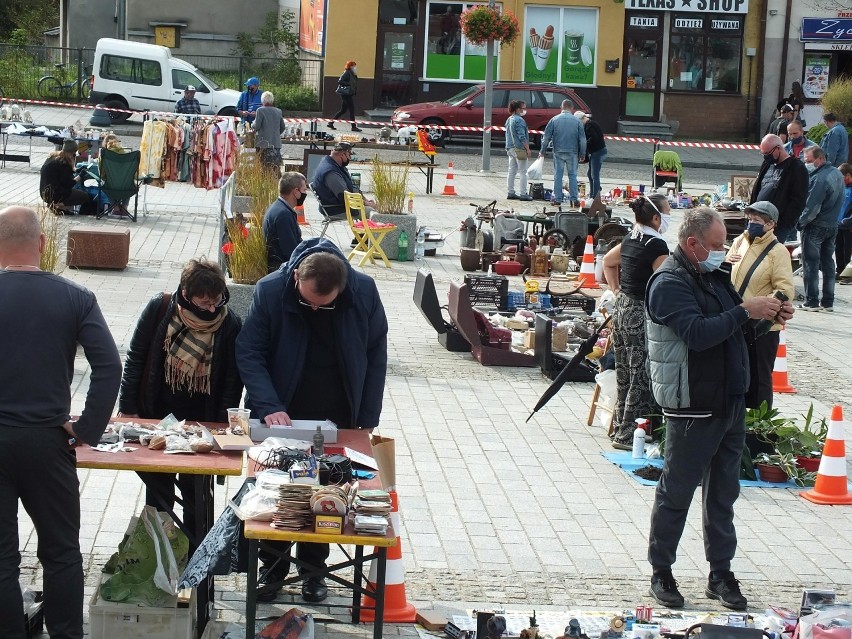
(520, 154)
(754, 266)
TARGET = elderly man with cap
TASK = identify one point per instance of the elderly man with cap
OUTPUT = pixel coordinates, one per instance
(188, 104)
(332, 178)
(58, 179)
(761, 266)
(249, 101)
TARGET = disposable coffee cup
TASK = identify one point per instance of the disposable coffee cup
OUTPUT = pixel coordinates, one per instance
(573, 44)
(239, 417)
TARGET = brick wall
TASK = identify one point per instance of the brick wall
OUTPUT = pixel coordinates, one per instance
(719, 117)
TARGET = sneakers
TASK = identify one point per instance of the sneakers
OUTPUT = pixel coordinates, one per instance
(525, 198)
(727, 590)
(619, 446)
(512, 196)
(809, 308)
(828, 309)
(664, 590)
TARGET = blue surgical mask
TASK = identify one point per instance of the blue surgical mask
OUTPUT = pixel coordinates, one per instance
(714, 260)
(755, 229)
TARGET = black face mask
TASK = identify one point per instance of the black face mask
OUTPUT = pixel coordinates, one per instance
(202, 313)
(301, 199)
(346, 162)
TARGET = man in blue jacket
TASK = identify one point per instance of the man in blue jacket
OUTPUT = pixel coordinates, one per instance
(818, 224)
(280, 226)
(835, 142)
(569, 145)
(314, 346)
(249, 101)
(699, 376)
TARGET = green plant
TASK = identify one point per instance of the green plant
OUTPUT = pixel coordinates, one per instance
(482, 23)
(838, 99)
(389, 185)
(816, 132)
(247, 260)
(787, 463)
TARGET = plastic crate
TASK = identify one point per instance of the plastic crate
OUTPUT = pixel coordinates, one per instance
(573, 303)
(110, 620)
(488, 290)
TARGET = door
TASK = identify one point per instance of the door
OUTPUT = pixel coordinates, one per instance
(396, 80)
(643, 45)
(181, 78)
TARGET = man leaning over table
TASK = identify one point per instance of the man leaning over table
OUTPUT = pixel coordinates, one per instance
(44, 319)
(314, 347)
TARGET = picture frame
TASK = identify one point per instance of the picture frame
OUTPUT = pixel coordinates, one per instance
(741, 187)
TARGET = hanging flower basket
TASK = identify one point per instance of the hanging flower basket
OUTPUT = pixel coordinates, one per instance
(482, 23)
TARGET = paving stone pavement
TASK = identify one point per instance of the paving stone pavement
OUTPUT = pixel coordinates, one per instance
(495, 511)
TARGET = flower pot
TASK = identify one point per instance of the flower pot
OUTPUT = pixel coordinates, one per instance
(810, 464)
(404, 222)
(772, 474)
(470, 259)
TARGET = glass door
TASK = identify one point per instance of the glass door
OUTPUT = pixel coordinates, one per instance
(395, 57)
(641, 69)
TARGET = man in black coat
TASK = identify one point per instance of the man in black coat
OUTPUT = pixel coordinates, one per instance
(280, 227)
(783, 180)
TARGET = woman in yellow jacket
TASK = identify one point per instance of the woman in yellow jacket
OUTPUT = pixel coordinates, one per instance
(773, 272)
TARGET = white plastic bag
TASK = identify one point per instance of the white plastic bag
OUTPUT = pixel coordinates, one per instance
(535, 169)
(166, 575)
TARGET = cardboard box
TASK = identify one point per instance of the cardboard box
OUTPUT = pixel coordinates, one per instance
(328, 524)
(302, 429)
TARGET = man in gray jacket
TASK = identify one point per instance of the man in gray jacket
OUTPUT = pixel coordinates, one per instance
(699, 376)
(818, 224)
(569, 145)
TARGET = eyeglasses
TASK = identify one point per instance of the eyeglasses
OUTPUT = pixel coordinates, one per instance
(219, 303)
(314, 307)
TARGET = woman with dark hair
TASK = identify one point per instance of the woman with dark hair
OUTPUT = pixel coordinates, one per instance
(58, 180)
(627, 268)
(347, 89)
(796, 99)
(182, 361)
(595, 150)
(518, 150)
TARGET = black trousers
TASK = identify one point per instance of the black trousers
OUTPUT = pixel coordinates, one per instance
(761, 357)
(38, 468)
(348, 105)
(842, 249)
(705, 451)
(160, 492)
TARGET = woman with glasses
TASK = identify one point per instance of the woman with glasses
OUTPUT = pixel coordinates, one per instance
(182, 361)
(627, 268)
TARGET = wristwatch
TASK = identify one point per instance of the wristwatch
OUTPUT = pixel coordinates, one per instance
(748, 315)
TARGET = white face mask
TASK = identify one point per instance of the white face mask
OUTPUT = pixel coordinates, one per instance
(522, 112)
(809, 166)
(664, 223)
(354, 69)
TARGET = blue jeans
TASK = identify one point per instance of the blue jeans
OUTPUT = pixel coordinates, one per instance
(596, 161)
(818, 255)
(516, 168)
(560, 161)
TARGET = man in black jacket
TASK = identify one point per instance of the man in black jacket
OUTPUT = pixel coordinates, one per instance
(280, 227)
(783, 180)
(332, 178)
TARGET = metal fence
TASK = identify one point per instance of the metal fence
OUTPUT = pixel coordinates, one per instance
(23, 70)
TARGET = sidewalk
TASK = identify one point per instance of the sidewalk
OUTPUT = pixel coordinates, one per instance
(495, 511)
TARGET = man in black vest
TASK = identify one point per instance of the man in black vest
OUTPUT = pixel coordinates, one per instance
(332, 178)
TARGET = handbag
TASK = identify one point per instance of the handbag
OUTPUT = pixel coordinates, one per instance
(343, 89)
(520, 154)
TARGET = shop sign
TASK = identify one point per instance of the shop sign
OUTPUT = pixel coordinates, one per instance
(828, 46)
(816, 76)
(637, 21)
(725, 24)
(693, 6)
(837, 29)
(689, 23)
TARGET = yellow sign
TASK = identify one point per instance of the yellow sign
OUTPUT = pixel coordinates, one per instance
(165, 36)
(631, 83)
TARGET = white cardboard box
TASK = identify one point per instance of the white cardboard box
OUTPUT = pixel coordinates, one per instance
(303, 429)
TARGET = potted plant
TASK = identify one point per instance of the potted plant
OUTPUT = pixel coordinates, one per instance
(808, 443)
(390, 186)
(482, 23)
(775, 467)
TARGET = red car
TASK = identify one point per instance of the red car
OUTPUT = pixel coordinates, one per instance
(466, 108)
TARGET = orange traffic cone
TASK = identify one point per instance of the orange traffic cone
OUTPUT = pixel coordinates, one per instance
(831, 484)
(301, 220)
(449, 188)
(780, 383)
(397, 608)
(587, 268)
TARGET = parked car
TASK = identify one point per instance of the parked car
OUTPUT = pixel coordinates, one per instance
(543, 101)
(144, 76)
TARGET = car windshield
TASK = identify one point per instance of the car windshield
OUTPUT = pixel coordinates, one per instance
(211, 83)
(458, 98)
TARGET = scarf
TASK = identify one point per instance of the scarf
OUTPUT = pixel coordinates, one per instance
(640, 229)
(189, 350)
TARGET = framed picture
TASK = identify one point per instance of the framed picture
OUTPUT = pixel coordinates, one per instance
(311, 160)
(741, 186)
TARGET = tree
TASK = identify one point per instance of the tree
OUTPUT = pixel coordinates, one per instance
(25, 21)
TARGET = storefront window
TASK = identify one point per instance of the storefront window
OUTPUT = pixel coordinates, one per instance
(705, 53)
(448, 55)
(398, 12)
(560, 45)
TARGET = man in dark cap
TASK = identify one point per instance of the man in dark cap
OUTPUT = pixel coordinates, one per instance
(332, 178)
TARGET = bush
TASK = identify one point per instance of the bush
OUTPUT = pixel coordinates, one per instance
(295, 98)
(838, 100)
(816, 132)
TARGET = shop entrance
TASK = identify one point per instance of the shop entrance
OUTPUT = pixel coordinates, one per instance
(398, 48)
(643, 45)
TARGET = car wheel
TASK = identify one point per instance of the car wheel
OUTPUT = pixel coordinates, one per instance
(228, 112)
(116, 116)
(437, 136)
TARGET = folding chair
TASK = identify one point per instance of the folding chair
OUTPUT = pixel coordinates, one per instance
(328, 212)
(118, 180)
(368, 234)
(667, 168)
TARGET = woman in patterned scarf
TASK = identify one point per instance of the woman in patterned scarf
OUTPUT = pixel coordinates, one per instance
(181, 361)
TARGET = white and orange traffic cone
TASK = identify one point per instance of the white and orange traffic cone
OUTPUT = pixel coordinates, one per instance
(832, 487)
(449, 188)
(301, 220)
(780, 382)
(397, 608)
(587, 267)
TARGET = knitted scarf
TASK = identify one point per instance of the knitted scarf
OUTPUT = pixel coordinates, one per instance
(189, 350)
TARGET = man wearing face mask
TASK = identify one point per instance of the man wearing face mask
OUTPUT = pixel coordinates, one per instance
(332, 178)
(796, 140)
(761, 265)
(782, 180)
(699, 370)
(280, 227)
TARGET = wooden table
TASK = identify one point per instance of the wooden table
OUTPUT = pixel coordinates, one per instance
(202, 468)
(259, 533)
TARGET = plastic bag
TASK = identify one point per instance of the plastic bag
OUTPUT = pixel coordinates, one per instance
(293, 624)
(536, 168)
(257, 505)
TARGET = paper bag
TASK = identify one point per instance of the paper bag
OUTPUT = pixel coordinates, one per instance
(384, 452)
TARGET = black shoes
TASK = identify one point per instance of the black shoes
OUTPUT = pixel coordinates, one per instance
(664, 589)
(330, 125)
(727, 590)
(270, 582)
(355, 128)
(314, 590)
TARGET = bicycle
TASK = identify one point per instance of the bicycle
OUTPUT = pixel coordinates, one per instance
(52, 87)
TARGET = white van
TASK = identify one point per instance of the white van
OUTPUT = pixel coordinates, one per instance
(144, 77)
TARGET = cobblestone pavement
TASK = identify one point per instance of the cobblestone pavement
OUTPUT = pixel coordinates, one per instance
(495, 511)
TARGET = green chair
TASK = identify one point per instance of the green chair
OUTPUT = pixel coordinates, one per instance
(667, 168)
(118, 180)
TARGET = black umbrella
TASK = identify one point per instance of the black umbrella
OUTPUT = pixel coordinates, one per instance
(585, 348)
